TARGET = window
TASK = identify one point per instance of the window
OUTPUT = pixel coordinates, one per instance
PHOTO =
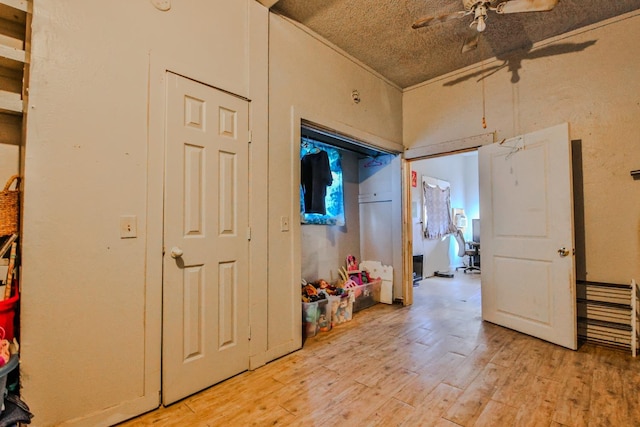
(321, 190)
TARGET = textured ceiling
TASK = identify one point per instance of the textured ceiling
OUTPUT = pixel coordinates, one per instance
(379, 33)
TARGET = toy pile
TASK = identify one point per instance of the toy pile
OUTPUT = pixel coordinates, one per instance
(326, 305)
(350, 278)
(319, 290)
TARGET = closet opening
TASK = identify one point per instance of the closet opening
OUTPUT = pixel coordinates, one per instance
(350, 207)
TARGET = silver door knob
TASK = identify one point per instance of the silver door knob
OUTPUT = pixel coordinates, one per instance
(176, 252)
(563, 252)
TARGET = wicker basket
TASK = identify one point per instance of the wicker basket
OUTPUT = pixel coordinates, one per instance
(9, 207)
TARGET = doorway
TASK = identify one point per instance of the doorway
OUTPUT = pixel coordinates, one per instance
(527, 234)
(459, 172)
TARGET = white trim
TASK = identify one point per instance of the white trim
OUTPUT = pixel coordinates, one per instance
(467, 143)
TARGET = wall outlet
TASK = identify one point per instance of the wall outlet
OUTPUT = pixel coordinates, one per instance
(128, 227)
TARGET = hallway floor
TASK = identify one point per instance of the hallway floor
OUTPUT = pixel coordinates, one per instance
(435, 363)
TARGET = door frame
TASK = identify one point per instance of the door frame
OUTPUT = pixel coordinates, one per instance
(448, 148)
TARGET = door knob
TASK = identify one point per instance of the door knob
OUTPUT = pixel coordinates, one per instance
(176, 252)
(563, 252)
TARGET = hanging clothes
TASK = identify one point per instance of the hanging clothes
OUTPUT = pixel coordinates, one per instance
(438, 206)
(315, 174)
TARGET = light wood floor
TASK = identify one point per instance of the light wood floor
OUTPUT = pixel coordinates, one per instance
(433, 364)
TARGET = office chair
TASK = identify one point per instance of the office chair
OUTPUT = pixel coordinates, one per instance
(463, 251)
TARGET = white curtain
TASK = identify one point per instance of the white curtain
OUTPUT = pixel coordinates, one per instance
(437, 204)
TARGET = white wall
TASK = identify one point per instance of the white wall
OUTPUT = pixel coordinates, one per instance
(596, 91)
(91, 302)
(308, 79)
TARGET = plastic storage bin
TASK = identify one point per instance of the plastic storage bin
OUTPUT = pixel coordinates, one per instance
(341, 307)
(4, 371)
(316, 317)
(366, 295)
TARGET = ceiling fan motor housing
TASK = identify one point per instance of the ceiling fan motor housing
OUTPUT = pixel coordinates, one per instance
(471, 4)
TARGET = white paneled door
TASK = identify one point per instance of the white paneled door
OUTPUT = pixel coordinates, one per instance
(527, 240)
(205, 283)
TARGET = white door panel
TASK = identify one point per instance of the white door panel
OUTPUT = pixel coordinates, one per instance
(526, 216)
(205, 285)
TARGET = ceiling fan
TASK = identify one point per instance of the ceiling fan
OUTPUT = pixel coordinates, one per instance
(479, 8)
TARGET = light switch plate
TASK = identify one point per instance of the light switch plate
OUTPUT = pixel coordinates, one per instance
(284, 223)
(128, 226)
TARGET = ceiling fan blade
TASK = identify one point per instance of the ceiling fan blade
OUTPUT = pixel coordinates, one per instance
(432, 20)
(515, 6)
(471, 42)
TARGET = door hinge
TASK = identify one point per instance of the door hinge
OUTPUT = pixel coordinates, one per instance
(248, 233)
(250, 137)
(249, 332)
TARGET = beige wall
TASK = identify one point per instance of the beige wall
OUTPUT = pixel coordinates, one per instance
(91, 302)
(308, 79)
(596, 91)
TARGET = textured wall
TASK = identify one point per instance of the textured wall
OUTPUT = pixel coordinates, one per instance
(595, 90)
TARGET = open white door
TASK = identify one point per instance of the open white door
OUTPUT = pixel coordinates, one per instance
(205, 286)
(526, 216)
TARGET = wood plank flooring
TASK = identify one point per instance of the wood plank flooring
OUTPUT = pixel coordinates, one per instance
(435, 363)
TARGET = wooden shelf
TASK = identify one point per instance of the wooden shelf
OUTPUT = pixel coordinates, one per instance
(13, 23)
(14, 18)
(22, 5)
(12, 58)
(10, 102)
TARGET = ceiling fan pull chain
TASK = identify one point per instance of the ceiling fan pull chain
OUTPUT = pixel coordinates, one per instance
(484, 114)
(484, 109)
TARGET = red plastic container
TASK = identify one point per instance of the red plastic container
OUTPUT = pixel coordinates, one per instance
(7, 315)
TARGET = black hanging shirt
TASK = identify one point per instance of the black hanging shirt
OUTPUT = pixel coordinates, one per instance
(316, 177)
